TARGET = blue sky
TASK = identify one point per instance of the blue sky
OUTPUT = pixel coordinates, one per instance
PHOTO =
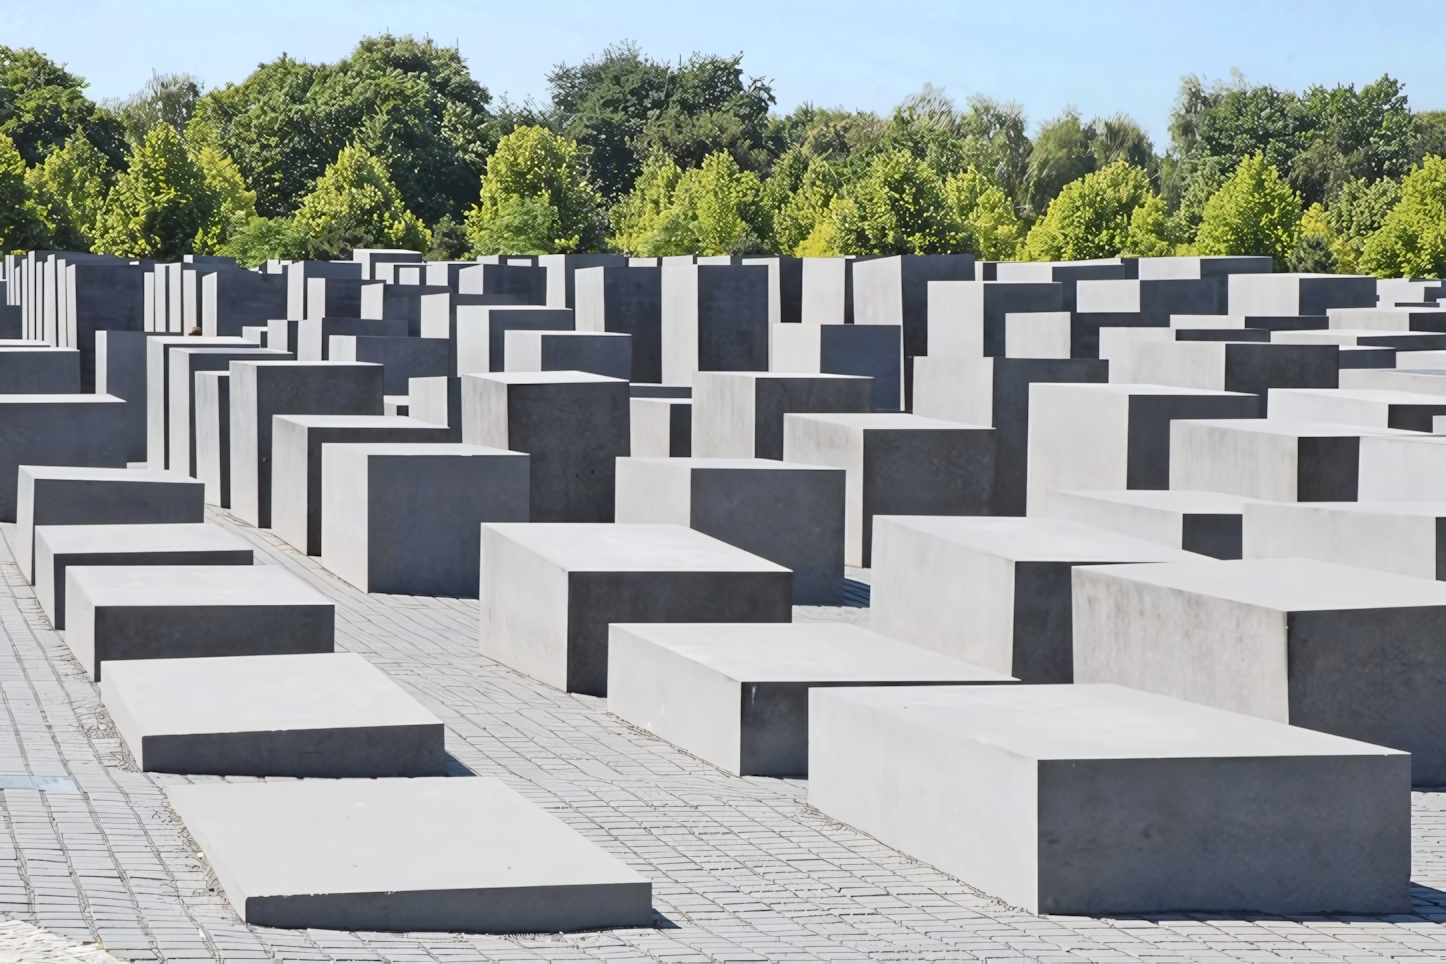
(1100, 56)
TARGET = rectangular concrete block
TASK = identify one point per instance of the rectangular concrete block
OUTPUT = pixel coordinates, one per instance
(233, 300)
(1402, 468)
(573, 424)
(968, 318)
(784, 512)
(714, 318)
(402, 358)
(61, 430)
(50, 495)
(324, 715)
(39, 370)
(1408, 538)
(1255, 368)
(170, 612)
(480, 333)
(549, 591)
(562, 272)
(1270, 459)
(261, 390)
(1349, 651)
(599, 352)
(120, 370)
(57, 547)
(875, 351)
(1298, 294)
(406, 518)
(736, 694)
(297, 445)
(158, 387)
(993, 592)
(629, 301)
(213, 436)
(1208, 523)
(661, 427)
(1101, 800)
(740, 415)
(181, 400)
(1113, 436)
(1411, 411)
(439, 855)
(896, 464)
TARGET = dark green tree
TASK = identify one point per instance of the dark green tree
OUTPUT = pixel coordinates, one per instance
(42, 105)
(165, 99)
(1060, 154)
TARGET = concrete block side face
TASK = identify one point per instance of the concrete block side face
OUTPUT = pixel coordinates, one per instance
(925, 472)
(1318, 295)
(1193, 647)
(681, 700)
(913, 787)
(1373, 675)
(793, 518)
(416, 750)
(87, 430)
(944, 596)
(776, 397)
(524, 609)
(244, 433)
(724, 415)
(170, 632)
(817, 442)
(574, 434)
(774, 730)
(1078, 438)
(605, 354)
(1150, 419)
(1441, 549)
(1043, 634)
(1410, 545)
(1328, 469)
(484, 412)
(50, 568)
(1276, 835)
(1216, 458)
(596, 599)
(955, 389)
(289, 482)
(1217, 535)
(678, 339)
(1258, 368)
(876, 351)
(425, 515)
(732, 318)
(344, 518)
(574, 907)
(1008, 407)
(653, 491)
(680, 430)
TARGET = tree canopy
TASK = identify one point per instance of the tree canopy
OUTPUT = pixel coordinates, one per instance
(535, 198)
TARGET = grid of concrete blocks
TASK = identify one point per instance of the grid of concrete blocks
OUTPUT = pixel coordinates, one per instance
(1151, 551)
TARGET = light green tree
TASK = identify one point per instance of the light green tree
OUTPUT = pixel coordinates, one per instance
(716, 208)
(797, 211)
(1153, 233)
(159, 205)
(21, 228)
(261, 238)
(536, 198)
(1091, 217)
(636, 216)
(993, 230)
(234, 203)
(69, 190)
(355, 205)
(1255, 212)
(898, 207)
(1356, 213)
(1411, 242)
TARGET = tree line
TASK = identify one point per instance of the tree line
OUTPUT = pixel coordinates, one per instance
(397, 145)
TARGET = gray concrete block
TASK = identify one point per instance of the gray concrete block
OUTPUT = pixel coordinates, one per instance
(371, 259)
(1239, 366)
(181, 399)
(333, 297)
(100, 295)
(1408, 538)
(158, 381)
(995, 391)
(599, 352)
(628, 301)
(403, 358)
(969, 318)
(1354, 652)
(397, 301)
(875, 351)
(479, 334)
(1101, 801)
(573, 424)
(994, 592)
(174, 612)
(439, 401)
(736, 694)
(1270, 459)
(714, 319)
(1208, 523)
(442, 855)
(1298, 294)
(310, 339)
(1402, 468)
(660, 427)
(57, 547)
(785, 288)
(784, 512)
(1411, 411)
(527, 284)
(406, 518)
(296, 448)
(562, 274)
(548, 592)
(896, 464)
(37, 370)
(298, 273)
(234, 300)
(261, 390)
(895, 291)
(1114, 436)
(213, 436)
(325, 715)
(59, 430)
(740, 415)
(120, 370)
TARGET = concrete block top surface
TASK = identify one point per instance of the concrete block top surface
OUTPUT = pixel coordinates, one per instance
(807, 653)
(1384, 396)
(150, 537)
(384, 836)
(766, 376)
(239, 694)
(883, 420)
(458, 449)
(1288, 585)
(1302, 429)
(1169, 500)
(544, 378)
(1094, 721)
(95, 474)
(1134, 388)
(1035, 539)
(1426, 510)
(620, 547)
(303, 364)
(67, 399)
(741, 465)
(356, 421)
(194, 586)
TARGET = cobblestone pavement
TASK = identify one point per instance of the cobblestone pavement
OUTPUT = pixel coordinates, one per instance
(742, 869)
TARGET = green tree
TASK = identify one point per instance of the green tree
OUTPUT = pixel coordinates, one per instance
(409, 102)
(69, 190)
(1357, 212)
(638, 214)
(1153, 233)
(801, 211)
(1254, 212)
(42, 106)
(253, 242)
(233, 204)
(159, 205)
(1091, 217)
(356, 205)
(165, 99)
(449, 240)
(898, 207)
(1061, 154)
(992, 230)
(1366, 134)
(713, 209)
(535, 174)
(1411, 242)
(21, 228)
(1430, 128)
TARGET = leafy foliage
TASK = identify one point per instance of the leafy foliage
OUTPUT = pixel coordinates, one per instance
(20, 226)
(1091, 217)
(1411, 242)
(898, 207)
(159, 205)
(1358, 212)
(252, 243)
(535, 184)
(717, 208)
(1254, 212)
(356, 205)
(991, 228)
(69, 192)
(165, 99)
(42, 106)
